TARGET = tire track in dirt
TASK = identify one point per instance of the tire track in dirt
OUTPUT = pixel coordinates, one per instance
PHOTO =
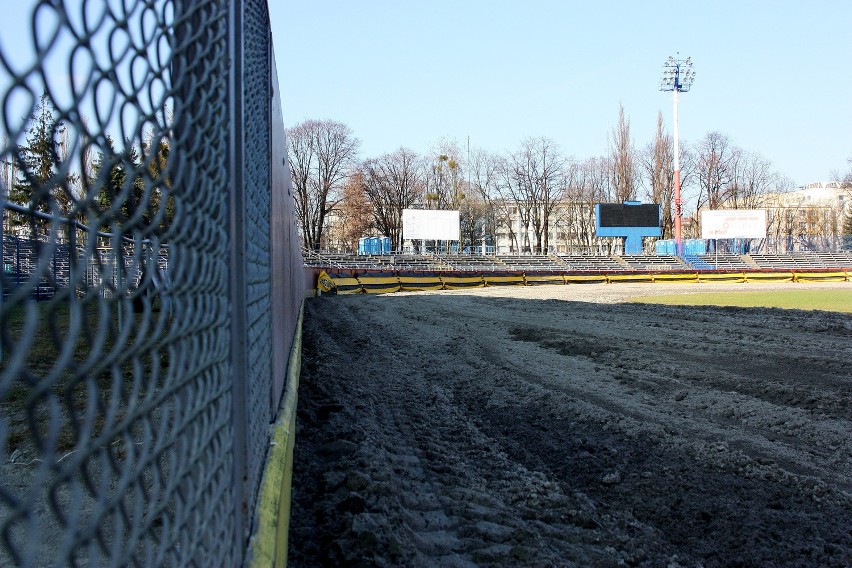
(430, 435)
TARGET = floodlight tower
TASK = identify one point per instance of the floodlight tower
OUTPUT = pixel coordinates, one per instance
(677, 78)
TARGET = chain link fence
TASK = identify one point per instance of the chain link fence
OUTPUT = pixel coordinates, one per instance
(151, 281)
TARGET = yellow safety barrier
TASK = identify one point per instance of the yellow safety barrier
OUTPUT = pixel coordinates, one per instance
(411, 283)
(325, 283)
(503, 279)
(630, 278)
(678, 277)
(459, 282)
(384, 284)
(732, 277)
(769, 276)
(585, 278)
(536, 279)
(268, 546)
(820, 276)
(338, 284)
(346, 284)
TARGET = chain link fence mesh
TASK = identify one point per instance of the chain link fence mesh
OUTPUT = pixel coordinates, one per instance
(122, 439)
(257, 204)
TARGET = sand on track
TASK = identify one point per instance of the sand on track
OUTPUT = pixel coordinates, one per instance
(556, 426)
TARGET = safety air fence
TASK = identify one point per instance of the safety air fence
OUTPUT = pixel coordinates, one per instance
(152, 286)
(387, 281)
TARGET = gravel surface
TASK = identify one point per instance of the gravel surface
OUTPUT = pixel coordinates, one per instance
(555, 426)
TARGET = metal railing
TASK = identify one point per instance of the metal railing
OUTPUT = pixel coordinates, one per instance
(151, 285)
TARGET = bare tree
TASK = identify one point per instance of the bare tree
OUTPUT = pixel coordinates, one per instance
(847, 185)
(623, 161)
(393, 182)
(513, 191)
(531, 180)
(753, 178)
(590, 184)
(658, 164)
(715, 169)
(444, 177)
(548, 188)
(321, 154)
(354, 211)
(473, 219)
(484, 176)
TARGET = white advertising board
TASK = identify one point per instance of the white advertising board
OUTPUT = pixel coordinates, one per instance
(429, 225)
(733, 224)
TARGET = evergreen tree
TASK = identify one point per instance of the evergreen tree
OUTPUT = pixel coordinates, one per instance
(161, 204)
(38, 185)
(116, 200)
(122, 196)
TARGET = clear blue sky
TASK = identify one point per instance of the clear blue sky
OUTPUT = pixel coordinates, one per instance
(775, 76)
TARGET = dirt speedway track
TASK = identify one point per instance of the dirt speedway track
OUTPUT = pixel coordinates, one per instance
(552, 426)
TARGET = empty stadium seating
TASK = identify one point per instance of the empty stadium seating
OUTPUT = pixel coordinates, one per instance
(581, 263)
(472, 262)
(724, 261)
(652, 263)
(803, 260)
(532, 262)
(590, 263)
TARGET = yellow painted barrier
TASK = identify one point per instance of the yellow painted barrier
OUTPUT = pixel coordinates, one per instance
(837, 276)
(678, 277)
(769, 276)
(459, 282)
(585, 278)
(324, 282)
(379, 284)
(415, 283)
(732, 277)
(268, 544)
(537, 279)
(630, 278)
(346, 284)
(503, 279)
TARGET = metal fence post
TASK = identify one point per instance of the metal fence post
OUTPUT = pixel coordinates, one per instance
(236, 265)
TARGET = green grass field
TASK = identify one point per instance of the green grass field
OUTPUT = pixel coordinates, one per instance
(827, 300)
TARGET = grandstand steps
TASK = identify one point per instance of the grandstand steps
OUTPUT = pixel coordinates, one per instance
(683, 263)
(695, 262)
(621, 261)
(558, 261)
(749, 260)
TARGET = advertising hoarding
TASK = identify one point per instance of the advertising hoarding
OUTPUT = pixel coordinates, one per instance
(430, 225)
(733, 224)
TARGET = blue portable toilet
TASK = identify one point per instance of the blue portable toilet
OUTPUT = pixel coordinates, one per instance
(665, 247)
(375, 245)
(386, 245)
(695, 247)
(362, 245)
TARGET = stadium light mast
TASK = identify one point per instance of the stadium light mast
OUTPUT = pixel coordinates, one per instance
(677, 78)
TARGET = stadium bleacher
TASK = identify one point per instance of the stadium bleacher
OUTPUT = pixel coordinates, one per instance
(652, 263)
(581, 263)
(532, 262)
(472, 262)
(724, 261)
(590, 263)
(802, 260)
(836, 260)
